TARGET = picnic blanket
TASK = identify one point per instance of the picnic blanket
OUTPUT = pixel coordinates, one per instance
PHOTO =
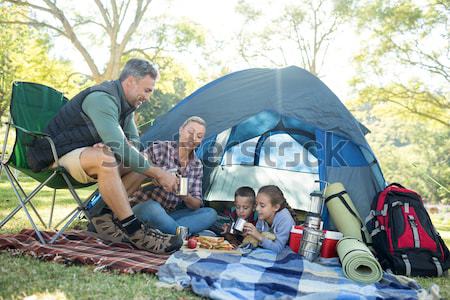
(78, 247)
(262, 274)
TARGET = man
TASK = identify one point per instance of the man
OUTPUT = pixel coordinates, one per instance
(96, 139)
(166, 210)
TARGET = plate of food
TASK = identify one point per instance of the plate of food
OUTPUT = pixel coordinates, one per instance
(210, 244)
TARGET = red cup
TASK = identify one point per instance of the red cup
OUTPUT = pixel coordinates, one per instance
(295, 237)
(329, 243)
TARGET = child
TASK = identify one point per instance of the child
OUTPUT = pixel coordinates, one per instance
(244, 206)
(274, 215)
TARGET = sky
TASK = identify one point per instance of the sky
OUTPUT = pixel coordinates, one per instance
(222, 22)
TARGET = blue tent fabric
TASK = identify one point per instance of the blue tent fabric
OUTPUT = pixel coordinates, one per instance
(291, 91)
(264, 102)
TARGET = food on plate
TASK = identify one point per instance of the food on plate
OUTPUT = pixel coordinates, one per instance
(214, 243)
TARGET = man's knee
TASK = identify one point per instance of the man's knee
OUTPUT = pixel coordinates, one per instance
(99, 161)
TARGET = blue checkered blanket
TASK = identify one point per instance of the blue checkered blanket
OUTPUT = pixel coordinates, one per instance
(262, 274)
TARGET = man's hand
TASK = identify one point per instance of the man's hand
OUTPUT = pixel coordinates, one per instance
(168, 181)
(101, 145)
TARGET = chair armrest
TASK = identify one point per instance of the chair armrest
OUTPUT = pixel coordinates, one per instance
(29, 132)
(38, 134)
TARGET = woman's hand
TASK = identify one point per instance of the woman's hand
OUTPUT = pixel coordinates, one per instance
(250, 229)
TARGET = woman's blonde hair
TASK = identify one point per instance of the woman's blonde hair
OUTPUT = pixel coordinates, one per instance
(194, 119)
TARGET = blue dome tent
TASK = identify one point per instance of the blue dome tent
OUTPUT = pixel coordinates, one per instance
(276, 126)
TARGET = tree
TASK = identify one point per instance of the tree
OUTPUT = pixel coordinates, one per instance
(174, 85)
(302, 31)
(415, 39)
(24, 56)
(113, 27)
(409, 150)
(110, 24)
(403, 91)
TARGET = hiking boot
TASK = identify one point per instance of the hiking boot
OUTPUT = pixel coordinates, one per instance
(155, 241)
(106, 229)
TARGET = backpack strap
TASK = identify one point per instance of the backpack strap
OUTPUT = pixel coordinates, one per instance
(376, 213)
(396, 184)
(377, 230)
(407, 265)
(415, 231)
(438, 266)
(394, 204)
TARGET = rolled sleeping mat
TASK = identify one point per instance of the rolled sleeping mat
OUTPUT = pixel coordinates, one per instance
(358, 263)
(344, 214)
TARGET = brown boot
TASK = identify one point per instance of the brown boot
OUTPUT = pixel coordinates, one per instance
(106, 229)
(155, 241)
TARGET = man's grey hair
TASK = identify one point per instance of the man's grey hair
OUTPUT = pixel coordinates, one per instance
(194, 119)
(138, 68)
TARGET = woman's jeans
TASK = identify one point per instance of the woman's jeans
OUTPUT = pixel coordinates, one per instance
(153, 214)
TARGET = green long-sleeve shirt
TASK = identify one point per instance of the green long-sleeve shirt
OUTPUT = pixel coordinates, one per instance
(103, 110)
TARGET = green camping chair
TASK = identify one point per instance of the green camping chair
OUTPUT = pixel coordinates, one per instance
(32, 107)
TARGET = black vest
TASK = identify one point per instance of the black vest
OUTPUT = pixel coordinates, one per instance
(71, 128)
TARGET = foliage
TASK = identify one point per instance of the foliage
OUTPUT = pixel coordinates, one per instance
(115, 21)
(409, 150)
(414, 39)
(108, 28)
(24, 57)
(300, 34)
(403, 91)
(26, 48)
(175, 84)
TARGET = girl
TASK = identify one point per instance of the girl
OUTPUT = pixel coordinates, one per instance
(274, 215)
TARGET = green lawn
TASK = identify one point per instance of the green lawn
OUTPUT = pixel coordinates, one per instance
(23, 276)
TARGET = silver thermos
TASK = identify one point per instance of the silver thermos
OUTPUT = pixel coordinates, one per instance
(312, 232)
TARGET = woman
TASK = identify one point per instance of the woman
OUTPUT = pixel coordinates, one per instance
(166, 210)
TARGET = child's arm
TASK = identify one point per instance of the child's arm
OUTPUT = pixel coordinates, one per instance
(225, 228)
(281, 230)
(250, 229)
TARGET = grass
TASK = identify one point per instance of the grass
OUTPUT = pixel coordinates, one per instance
(22, 276)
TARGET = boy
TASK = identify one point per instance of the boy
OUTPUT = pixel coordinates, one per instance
(244, 207)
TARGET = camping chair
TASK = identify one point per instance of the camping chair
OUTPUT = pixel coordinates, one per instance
(32, 107)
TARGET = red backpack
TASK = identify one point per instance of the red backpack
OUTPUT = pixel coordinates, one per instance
(403, 236)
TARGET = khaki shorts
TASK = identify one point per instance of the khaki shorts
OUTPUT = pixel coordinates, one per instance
(71, 162)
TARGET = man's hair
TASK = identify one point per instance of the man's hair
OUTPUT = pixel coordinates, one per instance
(194, 119)
(245, 191)
(138, 68)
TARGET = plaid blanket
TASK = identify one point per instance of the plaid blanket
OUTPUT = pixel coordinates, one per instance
(262, 274)
(78, 247)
